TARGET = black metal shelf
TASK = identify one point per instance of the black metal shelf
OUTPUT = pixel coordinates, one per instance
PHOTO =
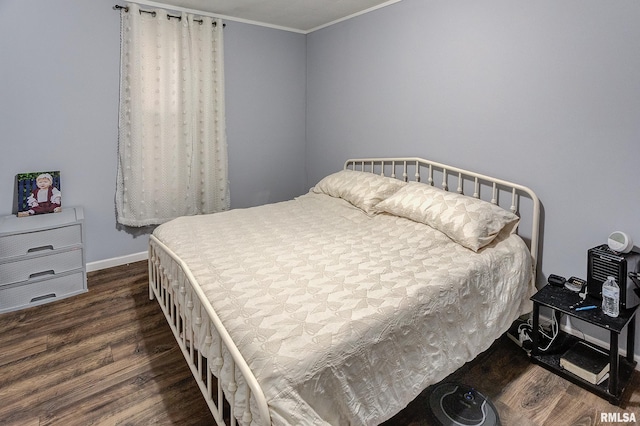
(560, 300)
(551, 361)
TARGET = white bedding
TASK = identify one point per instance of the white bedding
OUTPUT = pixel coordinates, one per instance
(344, 317)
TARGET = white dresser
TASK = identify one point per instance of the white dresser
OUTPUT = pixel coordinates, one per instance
(42, 258)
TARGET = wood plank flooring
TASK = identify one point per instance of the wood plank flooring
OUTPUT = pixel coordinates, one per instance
(107, 357)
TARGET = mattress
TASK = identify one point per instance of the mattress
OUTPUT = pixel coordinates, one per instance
(345, 317)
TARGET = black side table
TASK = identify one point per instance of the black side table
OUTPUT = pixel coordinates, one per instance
(560, 300)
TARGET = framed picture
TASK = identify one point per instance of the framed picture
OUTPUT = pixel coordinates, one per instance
(38, 193)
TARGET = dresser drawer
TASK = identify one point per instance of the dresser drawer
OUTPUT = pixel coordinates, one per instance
(38, 291)
(40, 266)
(41, 258)
(49, 239)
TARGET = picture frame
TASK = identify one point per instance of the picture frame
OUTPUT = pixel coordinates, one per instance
(38, 193)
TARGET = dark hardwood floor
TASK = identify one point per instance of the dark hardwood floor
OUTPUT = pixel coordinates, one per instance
(107, 357)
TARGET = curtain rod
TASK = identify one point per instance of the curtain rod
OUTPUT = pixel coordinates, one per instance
(153, 13)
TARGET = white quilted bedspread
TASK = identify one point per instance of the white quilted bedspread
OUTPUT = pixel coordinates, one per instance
(345, 318)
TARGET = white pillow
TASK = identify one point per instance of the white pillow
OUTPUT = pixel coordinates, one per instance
(362, 189)
(471, 222)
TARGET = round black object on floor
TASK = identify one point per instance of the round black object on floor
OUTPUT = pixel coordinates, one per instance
(453, 404)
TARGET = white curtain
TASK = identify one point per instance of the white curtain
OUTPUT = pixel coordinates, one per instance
(172, 149)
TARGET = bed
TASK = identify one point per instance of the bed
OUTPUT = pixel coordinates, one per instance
(342, 305)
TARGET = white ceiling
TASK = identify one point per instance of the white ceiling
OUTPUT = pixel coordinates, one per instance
(301, 16)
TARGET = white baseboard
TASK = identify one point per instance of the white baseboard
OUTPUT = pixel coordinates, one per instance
(117, 261)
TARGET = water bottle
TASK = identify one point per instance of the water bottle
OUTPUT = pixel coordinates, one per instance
(611, 297)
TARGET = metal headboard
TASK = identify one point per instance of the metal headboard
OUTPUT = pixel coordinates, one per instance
(429, 172)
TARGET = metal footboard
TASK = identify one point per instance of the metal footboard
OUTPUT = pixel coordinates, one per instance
(223, 376)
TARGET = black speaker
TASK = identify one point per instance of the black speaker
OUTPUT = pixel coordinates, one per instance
(602, 262)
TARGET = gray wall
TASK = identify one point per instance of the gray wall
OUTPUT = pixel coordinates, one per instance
(543, 93)
(266, 88)
(59, 69)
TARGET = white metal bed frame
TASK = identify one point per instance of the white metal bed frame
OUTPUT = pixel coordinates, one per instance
(176, 295)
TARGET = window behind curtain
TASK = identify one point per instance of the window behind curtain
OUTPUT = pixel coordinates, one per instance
(172, 149)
